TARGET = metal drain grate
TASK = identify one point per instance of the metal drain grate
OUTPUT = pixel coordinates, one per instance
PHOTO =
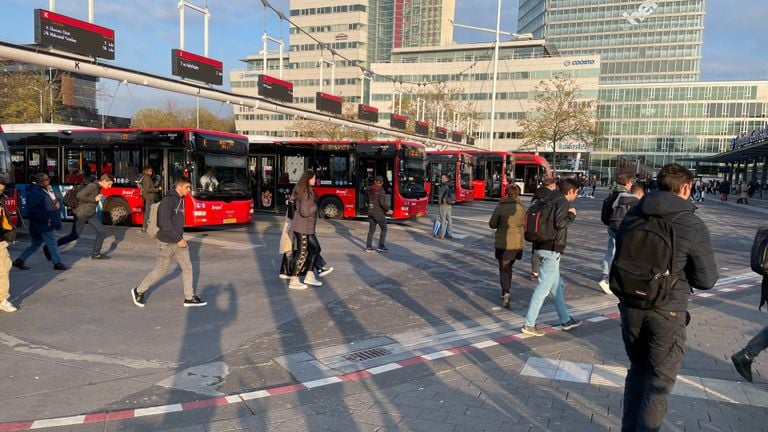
(368, 354)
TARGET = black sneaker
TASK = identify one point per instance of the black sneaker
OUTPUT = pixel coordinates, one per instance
(47, 252)
(195, 301)
(571, 324)
(382, 249)
(742, 361)
(138, 299)
(100, 256)
(505, 300)
(59, 266)
(19, 264)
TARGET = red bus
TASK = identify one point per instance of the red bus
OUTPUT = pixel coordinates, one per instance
(457, 165)
(493, 171)
(78, 156)
(7, 172)
(344, 170)
(530, 170)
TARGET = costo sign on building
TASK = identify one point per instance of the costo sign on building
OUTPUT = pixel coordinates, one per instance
(581, 62)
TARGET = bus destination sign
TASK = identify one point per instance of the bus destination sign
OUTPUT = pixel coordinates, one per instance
(72, 35)
(192, 66)
(441, 132)
(398, 122)
(368, 113)
(328, 103)
(273, 88)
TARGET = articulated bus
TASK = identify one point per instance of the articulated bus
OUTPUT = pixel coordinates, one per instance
(344, 170)
(457, 165)
(530, 170)
(493, 171)
(77, 156)
(11, 195)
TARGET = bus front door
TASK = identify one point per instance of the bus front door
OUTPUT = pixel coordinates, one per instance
(263, 183)
(368, 169)
(156, 158)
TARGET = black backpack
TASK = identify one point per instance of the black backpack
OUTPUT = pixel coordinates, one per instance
(619, 212)
(70, 198)
(642, 273)
(539, 223)
(758, 259)
(607, 209)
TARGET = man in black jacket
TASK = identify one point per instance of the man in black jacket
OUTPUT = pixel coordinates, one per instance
(378, 208)
(547, 186)
(171, 244)
(87, 200)
(549, 254)
(654, 338)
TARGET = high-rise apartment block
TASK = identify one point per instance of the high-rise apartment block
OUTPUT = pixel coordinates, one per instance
(638, 41)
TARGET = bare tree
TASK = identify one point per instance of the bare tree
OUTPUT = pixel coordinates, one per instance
(560, 115)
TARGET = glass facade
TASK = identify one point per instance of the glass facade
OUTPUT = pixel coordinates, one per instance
(638, 41)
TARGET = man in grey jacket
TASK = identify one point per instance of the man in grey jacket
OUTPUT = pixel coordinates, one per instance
(171, 244)
(85, 212)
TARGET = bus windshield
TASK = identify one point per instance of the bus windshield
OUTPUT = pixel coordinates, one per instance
(412, 174)
(216, 175)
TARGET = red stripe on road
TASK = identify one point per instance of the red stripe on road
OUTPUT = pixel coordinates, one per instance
(204, 403)
(15, 426)
(356, 376)
(286, 389)
(411, 361)
(115, 415)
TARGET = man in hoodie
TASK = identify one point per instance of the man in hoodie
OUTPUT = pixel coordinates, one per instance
(44, 217)
(654, 338)
(623, 183)
(171, 244)
(378, 209)
(550, 282)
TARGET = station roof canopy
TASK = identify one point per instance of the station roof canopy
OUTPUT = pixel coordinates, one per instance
(747, 147)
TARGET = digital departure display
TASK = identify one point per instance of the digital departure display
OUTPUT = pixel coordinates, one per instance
(368, 113)
(457, 136)
(398, 122)
(192, 66)
(471, 140)
(422, 128)
(328, 103)
(441, 132)
(273, 88)
(72, 35)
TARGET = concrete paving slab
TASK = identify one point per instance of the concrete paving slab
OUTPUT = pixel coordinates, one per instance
(726, 391)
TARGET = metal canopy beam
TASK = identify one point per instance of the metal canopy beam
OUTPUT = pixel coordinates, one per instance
(752, 151)
(91, 67)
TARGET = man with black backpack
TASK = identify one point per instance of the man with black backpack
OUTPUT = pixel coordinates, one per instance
(623, 183)
(662, 250)
(546, 226)
(88, 199)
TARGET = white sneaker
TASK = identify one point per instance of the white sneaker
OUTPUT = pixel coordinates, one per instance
(605, 286)
(325, 271)
(297, 285)
(6, 306)
(309, 279)
(284, 276)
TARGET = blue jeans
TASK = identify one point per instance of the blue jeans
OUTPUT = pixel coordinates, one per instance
(445, 220)
(549, 282)
(609, 251)
(38, 241)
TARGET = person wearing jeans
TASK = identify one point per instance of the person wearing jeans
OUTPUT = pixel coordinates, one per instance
(446, 198)
(743, 359)
(44, 217)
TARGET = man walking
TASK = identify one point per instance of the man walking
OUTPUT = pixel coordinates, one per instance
(562, 215)
(43, 212)
(547, 186)
(446, 198)
(149, 192)
(87, 200)
(171, 244)
(623, 183)
(654, 338)
(378, 208)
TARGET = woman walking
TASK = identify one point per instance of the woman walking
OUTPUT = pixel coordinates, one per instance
(507, 219)
(303, 224)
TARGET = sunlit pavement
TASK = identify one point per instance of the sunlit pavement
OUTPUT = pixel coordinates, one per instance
(408, 340)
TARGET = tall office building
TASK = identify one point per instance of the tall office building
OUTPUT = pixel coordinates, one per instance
(638, 41)
(408, 24)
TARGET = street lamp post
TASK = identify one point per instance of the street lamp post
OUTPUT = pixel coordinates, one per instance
(41, 101)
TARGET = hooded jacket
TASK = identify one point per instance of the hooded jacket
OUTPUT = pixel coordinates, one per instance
(507, 219)
(562, 218)
(694, 258)
(377, 200)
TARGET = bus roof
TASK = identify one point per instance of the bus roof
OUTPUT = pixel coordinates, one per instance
(53, 127)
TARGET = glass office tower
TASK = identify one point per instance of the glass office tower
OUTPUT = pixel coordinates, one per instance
(638, 41)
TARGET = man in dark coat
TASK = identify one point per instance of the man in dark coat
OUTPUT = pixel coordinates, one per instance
(43, 211)
(88, 199)
(654, 338)
(378, 208)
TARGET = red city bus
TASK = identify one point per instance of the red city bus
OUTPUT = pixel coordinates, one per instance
(8, 172)
(77, 156)
(530, 170)
(493, 171)
(457, 165)
(344, 170)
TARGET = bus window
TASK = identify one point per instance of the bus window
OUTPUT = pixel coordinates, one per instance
(78, 166)
(124, 165)
(17, 166)
(230, 173)
(331, 169)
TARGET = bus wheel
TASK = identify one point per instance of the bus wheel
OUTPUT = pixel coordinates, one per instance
(117, 213)
(331, 208)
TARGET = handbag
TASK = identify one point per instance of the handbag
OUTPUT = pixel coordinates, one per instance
(291, 204)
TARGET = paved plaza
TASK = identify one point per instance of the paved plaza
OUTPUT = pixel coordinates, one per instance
(410, 340)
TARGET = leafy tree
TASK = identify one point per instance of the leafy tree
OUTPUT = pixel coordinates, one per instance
(172, 116)
(23, 92)
(560, 116)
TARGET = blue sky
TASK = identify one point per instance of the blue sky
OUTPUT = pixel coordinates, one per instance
(147, 30)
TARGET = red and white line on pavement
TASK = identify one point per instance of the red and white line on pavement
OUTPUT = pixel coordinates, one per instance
(293, 388)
